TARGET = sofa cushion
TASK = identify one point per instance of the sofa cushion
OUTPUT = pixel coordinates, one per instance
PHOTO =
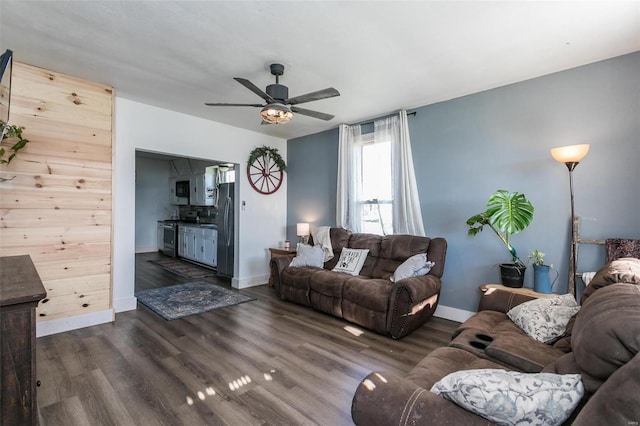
(298, 277)
(369, 293)
(401, 247)
(625, 270)
(544, 319)
(351, 261)
(443, 361)
(521, 352)
(511, 397)
(482, 322)
(606, 334)
(328, 283)
(369, 242)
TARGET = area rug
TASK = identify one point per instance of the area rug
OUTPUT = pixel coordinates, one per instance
(186, 299)
(183, 269)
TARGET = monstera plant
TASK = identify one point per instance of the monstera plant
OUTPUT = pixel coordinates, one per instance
(507, 213)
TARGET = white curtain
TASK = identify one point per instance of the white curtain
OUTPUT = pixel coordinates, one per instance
(349, 165)
(407, 216)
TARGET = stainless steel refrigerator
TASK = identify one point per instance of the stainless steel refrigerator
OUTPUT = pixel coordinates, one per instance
(225, 230)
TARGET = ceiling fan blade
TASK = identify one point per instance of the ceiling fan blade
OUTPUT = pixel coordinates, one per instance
(314, 114)
(225, 104)
(313, 96)
(255, 89)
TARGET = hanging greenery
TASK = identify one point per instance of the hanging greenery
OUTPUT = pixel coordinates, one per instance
(13, 132)
(269, 153)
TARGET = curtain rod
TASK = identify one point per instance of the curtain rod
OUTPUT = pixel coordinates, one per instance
(414, 113)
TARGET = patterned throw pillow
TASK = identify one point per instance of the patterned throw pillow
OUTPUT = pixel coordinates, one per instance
(351, 261)
(511, 397)
(414, 266)
(544, 319)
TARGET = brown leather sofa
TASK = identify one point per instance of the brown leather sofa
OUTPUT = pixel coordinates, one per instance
(601, 343)
(370, 299)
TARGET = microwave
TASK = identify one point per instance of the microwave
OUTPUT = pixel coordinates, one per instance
(182, 189)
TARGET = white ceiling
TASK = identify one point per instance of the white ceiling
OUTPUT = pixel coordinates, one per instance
(381, 56)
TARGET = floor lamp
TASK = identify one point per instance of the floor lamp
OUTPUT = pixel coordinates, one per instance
(571, 156)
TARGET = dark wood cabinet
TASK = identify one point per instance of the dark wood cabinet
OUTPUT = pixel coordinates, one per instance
(20, 291)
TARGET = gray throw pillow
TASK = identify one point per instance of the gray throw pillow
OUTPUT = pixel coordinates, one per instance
(414, 266)
(511, 397)
(308, 256)
(544, 319)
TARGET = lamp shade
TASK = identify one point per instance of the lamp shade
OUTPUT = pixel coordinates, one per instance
(302, 229)
(570, 153)
(276, 113)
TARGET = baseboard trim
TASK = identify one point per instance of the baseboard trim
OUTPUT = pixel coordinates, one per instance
(146, 250)
(123, 305)
(60, 325)
(453, 314)
(249, 282)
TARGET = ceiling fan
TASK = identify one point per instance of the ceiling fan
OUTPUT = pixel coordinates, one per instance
(280, 107)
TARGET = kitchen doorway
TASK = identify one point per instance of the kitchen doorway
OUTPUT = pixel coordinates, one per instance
(156, 175)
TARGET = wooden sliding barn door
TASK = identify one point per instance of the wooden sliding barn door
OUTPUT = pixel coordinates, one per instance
(57, 209)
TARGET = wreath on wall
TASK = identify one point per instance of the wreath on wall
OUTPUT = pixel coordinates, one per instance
(265, 169)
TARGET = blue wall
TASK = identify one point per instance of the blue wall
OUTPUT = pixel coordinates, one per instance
(311, 180)
(466, 148)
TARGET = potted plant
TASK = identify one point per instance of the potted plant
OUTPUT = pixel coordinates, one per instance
(506, 214)
(541, 282)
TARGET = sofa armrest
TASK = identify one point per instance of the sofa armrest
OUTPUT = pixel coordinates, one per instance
(420, 288)
(412, 302)
(384, 398)
(277, 265)
(495, 299)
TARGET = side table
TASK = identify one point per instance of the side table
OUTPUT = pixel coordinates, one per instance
(280, 251)
(518, 290)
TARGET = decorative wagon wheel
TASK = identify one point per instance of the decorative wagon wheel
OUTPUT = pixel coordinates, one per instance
(265, 170)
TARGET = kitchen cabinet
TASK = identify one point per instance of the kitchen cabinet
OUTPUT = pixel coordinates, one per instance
(208, 245)
(182, 240)
(173, 198)
(190, 243)
(202, 192)
(198, 243)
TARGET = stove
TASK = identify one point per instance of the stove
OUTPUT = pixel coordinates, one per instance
(170, 237)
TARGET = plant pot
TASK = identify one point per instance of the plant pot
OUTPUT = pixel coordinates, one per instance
(541, 281)
(512, 275)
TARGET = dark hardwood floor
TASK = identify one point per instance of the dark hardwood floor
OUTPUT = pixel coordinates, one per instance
(257, 363)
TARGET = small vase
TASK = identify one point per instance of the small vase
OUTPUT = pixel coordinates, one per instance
(541, 281)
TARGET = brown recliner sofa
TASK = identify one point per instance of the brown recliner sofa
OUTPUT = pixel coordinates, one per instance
(601, 343)
(370, 299)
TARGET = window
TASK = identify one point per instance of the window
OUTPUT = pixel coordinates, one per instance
(376, 197)
(376, 185)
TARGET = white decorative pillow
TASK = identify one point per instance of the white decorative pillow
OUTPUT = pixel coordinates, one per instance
(511, 397)
(351, 260)
(412, 267)
(308, 256)
(544, 319)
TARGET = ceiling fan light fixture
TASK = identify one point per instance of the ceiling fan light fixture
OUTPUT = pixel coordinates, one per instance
(276, 113)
